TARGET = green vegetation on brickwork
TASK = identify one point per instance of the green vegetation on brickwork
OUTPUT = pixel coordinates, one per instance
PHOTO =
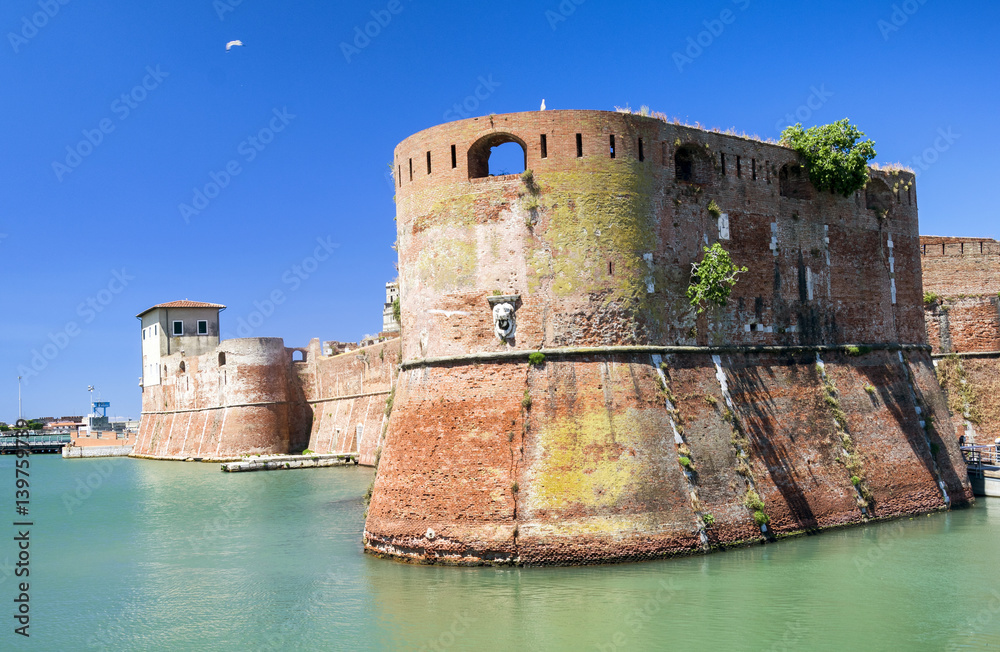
(307, 452)
(536, 358)
(962, 396)
(714, 210)
(835, 159)
(930, 298)
(526, 400)
(870, 389)
(396, 310)
(856, 351)
(708, 519)
(852, 462)
(686, 462)
(712, 279)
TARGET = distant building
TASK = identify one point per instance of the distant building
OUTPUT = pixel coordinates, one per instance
(389, 323)
(190, 328)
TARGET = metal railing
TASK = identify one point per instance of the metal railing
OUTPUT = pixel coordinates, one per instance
(979, 456)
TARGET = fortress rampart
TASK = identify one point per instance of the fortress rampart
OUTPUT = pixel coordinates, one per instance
(648, 428)
(255, 396)
(962, 280)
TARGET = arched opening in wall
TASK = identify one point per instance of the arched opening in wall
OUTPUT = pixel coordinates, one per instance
(222, 359)
(793, 182)
(183, 367)
(298, 356)
(497, 154)
(878, 196)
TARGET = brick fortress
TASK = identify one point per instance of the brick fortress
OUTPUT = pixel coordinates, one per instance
(209, 400)
(648, 430)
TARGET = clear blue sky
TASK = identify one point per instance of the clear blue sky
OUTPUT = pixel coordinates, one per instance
(67, 229)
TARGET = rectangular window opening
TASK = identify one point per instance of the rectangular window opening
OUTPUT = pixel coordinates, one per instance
(454, 158)
(545, 146)
(399, 175)
(428, 162)
(612, 145)
(642, 154)
(753, 168)
(202, 327)
(722, 159)
(178, 328)
(739, 168)
(579, 145)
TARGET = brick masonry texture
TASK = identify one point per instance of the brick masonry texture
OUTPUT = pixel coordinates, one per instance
(249, 397)
(578, 460)
(964, 275)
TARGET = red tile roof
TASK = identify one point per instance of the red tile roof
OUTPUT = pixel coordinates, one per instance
(183, 304)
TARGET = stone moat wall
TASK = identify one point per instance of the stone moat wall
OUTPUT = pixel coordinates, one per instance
(255, 396)
(648, 427)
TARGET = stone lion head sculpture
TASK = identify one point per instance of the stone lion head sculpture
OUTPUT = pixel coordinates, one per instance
(504, 324)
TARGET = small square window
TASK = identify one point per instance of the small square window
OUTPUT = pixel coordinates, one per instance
(202, 327)
(178, 328)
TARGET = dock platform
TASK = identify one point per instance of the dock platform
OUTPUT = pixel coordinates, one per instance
(287, 462)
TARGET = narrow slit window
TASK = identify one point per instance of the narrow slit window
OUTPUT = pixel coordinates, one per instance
(428, 162)
(545, 146)
(611, 268)
(722, 160)
(454, 158)
(739, 168)
(642, 154)
(612, 146)
(399, 175)
(411, 169)
(579, 145)
(753, 168)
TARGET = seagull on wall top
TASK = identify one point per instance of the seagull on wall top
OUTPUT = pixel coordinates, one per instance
(232, 44)
(543, 105)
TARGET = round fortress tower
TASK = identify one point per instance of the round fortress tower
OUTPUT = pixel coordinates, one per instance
(586, 258)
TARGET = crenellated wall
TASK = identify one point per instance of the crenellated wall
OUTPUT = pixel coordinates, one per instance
(649, 429)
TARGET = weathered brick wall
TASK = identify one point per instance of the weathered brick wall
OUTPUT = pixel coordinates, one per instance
(258, 400)
(588, 471)
(218, 408)
(963, 277)
(600, 248)
(346, 397)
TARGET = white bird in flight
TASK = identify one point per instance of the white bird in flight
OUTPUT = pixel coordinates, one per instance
(232, 44)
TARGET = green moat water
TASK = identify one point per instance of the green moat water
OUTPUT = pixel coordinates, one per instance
(173, 556)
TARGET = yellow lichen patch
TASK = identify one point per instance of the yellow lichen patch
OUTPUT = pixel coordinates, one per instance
(587, 460)
(447, 264)
(600, 216)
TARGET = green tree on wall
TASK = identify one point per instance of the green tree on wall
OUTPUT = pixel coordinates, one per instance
(835, 159)
(712, 279)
